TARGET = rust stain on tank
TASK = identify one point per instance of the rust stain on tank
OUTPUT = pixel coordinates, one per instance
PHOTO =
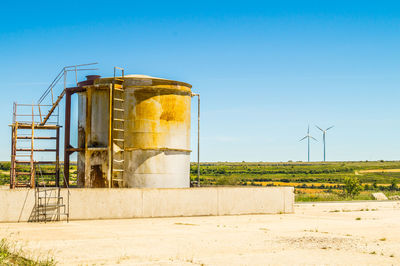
(156, 115)
(174, 108)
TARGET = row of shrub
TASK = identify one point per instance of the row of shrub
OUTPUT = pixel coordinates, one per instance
(223, 171)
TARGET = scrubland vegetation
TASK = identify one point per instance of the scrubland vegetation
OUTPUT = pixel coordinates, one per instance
(319, 181)
(44, 173)
(11, 255)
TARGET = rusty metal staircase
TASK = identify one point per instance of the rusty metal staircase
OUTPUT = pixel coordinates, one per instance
(49, 204)
(117, 130)
(26, 130)
(23, 149)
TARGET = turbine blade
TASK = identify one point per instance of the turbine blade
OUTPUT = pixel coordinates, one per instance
(313, 138)
(319, 128)
(303, 138)
(329, 128)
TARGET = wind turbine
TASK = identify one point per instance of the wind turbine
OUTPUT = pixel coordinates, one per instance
(324, 136)
(308, 137)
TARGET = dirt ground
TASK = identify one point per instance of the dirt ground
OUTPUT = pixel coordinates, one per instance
(317, 233)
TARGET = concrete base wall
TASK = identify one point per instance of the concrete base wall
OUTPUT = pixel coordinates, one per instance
(98, 203)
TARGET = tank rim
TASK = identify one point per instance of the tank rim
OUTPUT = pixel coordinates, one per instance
(141, 77)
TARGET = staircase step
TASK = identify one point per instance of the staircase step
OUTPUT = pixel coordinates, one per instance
(22, 173)
(29, 137)
(23, 162)
(50, 205)
(41, 189)
(52, 213)
(35, 162)
(45, 150)
(23, 185)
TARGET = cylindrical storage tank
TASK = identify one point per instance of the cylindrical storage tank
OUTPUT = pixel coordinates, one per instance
(156, 133)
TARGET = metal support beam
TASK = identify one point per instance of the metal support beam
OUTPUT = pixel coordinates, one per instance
(198, 137)
(67, 136)
(58, 157)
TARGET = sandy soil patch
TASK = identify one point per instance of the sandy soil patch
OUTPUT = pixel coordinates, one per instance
(317, 233)
(379, 171)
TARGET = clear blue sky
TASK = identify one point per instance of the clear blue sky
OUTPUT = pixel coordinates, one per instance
(265, 69)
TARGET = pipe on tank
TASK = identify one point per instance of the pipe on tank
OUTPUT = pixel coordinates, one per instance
(198, 136)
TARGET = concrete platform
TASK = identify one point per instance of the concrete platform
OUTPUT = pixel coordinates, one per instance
(87, 204)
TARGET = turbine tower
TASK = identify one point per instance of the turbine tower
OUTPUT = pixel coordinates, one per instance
(308, 137)
(324, 136)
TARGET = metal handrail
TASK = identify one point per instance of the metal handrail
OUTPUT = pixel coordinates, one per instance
(19, 117)
(62, 73)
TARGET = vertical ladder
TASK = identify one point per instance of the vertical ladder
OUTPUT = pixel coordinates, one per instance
(117, 131)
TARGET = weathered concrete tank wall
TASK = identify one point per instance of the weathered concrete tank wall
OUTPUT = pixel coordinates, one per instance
(93, 124)
(17, 205)
(157, 148)
(157, 133)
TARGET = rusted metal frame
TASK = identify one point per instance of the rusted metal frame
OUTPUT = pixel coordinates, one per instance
(68, 150)
(37, 126)
(30, 104)
(71, 150)
(67, 136)
(42, 150)
(13, 155)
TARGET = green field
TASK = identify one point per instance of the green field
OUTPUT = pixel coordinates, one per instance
(312, 181)
(44, 174)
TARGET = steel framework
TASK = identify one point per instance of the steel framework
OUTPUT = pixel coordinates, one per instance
(27, 120)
